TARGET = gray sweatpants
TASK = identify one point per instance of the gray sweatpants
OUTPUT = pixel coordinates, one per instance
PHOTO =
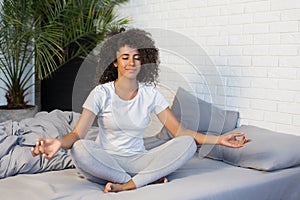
(99, 166)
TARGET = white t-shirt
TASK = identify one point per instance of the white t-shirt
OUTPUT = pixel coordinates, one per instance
(122, 122)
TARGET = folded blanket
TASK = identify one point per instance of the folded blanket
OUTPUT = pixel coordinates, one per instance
(15, 155)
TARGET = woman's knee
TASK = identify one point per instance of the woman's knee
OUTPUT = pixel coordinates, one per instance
(76, 148)
(79, 149)
(187, 141)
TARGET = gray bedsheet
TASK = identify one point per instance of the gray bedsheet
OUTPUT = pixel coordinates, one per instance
(16, 138)
(199, 179)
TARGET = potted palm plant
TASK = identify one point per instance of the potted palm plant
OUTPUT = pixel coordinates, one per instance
(37, 37)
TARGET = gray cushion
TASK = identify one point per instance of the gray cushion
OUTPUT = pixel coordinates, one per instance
(199, 115)
(268, 150)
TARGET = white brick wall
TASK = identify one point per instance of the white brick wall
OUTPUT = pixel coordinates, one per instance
(253, 45)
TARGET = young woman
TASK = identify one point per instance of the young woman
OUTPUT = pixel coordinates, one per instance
(123, 102)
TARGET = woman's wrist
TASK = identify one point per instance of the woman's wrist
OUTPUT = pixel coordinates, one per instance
(195, 135)
(219, 140)
(60, 140)
(67, 141)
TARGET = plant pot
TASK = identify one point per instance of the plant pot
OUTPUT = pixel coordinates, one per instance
(17, 114)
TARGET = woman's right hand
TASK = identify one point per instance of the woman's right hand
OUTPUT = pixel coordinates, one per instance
(46, 146)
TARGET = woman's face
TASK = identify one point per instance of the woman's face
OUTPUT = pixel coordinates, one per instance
(128, 62)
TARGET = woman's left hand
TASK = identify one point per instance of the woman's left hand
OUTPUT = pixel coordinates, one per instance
(231, 140)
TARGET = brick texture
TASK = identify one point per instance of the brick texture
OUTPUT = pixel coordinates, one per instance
(252, 61)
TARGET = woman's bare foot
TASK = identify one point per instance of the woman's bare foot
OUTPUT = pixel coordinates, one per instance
(161, 180)
(112, 187)
(116, 187)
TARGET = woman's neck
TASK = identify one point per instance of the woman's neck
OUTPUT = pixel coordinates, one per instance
(126, 89)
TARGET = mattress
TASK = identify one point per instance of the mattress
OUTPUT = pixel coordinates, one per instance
(200, 178)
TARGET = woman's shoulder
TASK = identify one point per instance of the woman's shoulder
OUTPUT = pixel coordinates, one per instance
(146, 86)
(148, 89)
(105, 88)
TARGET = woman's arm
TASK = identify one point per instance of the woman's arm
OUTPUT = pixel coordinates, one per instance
(49, 146)
(80, 130)
(173, 125)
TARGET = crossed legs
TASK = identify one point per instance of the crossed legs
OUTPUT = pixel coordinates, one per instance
(130, 172)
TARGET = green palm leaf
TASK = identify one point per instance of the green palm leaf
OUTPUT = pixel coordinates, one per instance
(46, 34)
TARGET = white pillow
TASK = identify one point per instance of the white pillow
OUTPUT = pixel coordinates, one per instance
(268, 150)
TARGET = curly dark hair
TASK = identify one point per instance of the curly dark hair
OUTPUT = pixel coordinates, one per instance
(134, 38)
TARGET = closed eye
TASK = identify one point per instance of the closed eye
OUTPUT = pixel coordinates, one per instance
(135, 57)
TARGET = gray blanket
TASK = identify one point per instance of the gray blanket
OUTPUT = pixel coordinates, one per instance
(16, 138)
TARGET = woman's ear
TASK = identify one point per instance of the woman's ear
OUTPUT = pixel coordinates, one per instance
(115, 64)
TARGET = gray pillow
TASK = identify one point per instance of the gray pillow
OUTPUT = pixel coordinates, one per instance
(268, 150)
(199, 115)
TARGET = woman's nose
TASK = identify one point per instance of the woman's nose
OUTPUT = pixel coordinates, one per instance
(131, 61)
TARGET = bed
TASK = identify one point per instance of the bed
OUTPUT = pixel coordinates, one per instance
(266, 168)
(198, 179)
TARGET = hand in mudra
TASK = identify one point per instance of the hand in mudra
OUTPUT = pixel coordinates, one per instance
(231, 140)
(46, 147)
